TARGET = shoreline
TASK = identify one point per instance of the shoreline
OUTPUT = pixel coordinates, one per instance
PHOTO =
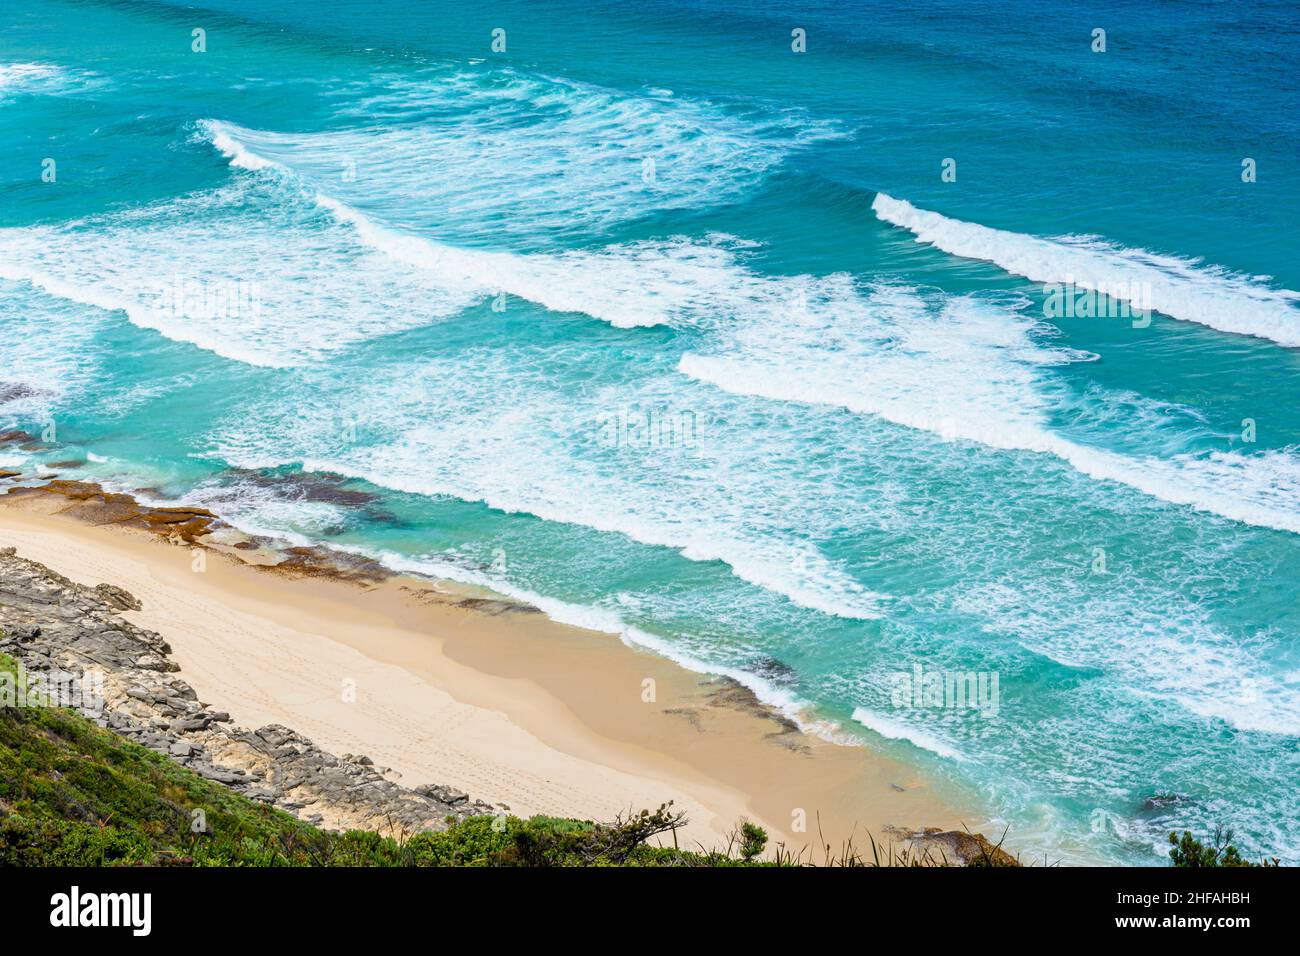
(453, 685)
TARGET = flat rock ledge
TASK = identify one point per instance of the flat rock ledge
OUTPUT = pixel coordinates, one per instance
(61, 630)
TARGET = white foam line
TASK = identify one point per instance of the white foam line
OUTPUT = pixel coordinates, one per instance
(1182, 288)
(858, 604)
(141, 316)
(610, 286)
(897, 730)
(1171, 480)
(44, 79)
(239, 155)
(19, 74)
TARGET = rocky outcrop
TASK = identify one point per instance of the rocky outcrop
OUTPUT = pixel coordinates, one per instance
(957, 848)
(16, 436)
(121, 676)
(14, 391)
(92, 503)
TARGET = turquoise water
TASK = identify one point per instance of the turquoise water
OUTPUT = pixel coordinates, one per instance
(684, 336)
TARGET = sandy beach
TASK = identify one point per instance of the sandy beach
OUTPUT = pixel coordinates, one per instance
(450, 686)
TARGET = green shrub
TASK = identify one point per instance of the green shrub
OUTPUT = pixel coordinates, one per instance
(1190, 852)
(753, 840)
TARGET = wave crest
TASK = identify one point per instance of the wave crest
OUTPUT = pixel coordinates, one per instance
(1184, 289)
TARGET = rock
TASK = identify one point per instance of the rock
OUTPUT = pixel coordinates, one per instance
(958, 848)
(447, 795)
(181, 749)
(220, 775)
(322, 562)
(90, 501)
(12, 391)
(25, 633)
(772, 669)
(321, 487)
(117, 597)
(497, 606)
(274, 734)
(1162, 801)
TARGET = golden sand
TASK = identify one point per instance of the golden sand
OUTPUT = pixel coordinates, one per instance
(451, 686)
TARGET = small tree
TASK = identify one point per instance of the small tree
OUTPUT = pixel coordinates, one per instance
(753, 840)
(1191, 852)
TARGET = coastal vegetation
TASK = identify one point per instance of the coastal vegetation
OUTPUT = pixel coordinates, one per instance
(1217, 851)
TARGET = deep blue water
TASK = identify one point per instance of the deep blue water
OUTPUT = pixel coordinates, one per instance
(686, 336)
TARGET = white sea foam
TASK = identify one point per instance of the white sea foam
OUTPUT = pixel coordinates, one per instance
(45, 79)
(251, 272)
(25, 74)
(800, 574)
(488, 160)
(967, 369)
(1182, 288)
(973, 370)
(240, 157)
(47, 349)
(696, 499)
(970, 369)
(1261, 489)
(628, 286)
(1146, 639)
(893, 729)
(637, 284)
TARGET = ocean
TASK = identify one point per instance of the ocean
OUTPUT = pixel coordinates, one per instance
(765, 336)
